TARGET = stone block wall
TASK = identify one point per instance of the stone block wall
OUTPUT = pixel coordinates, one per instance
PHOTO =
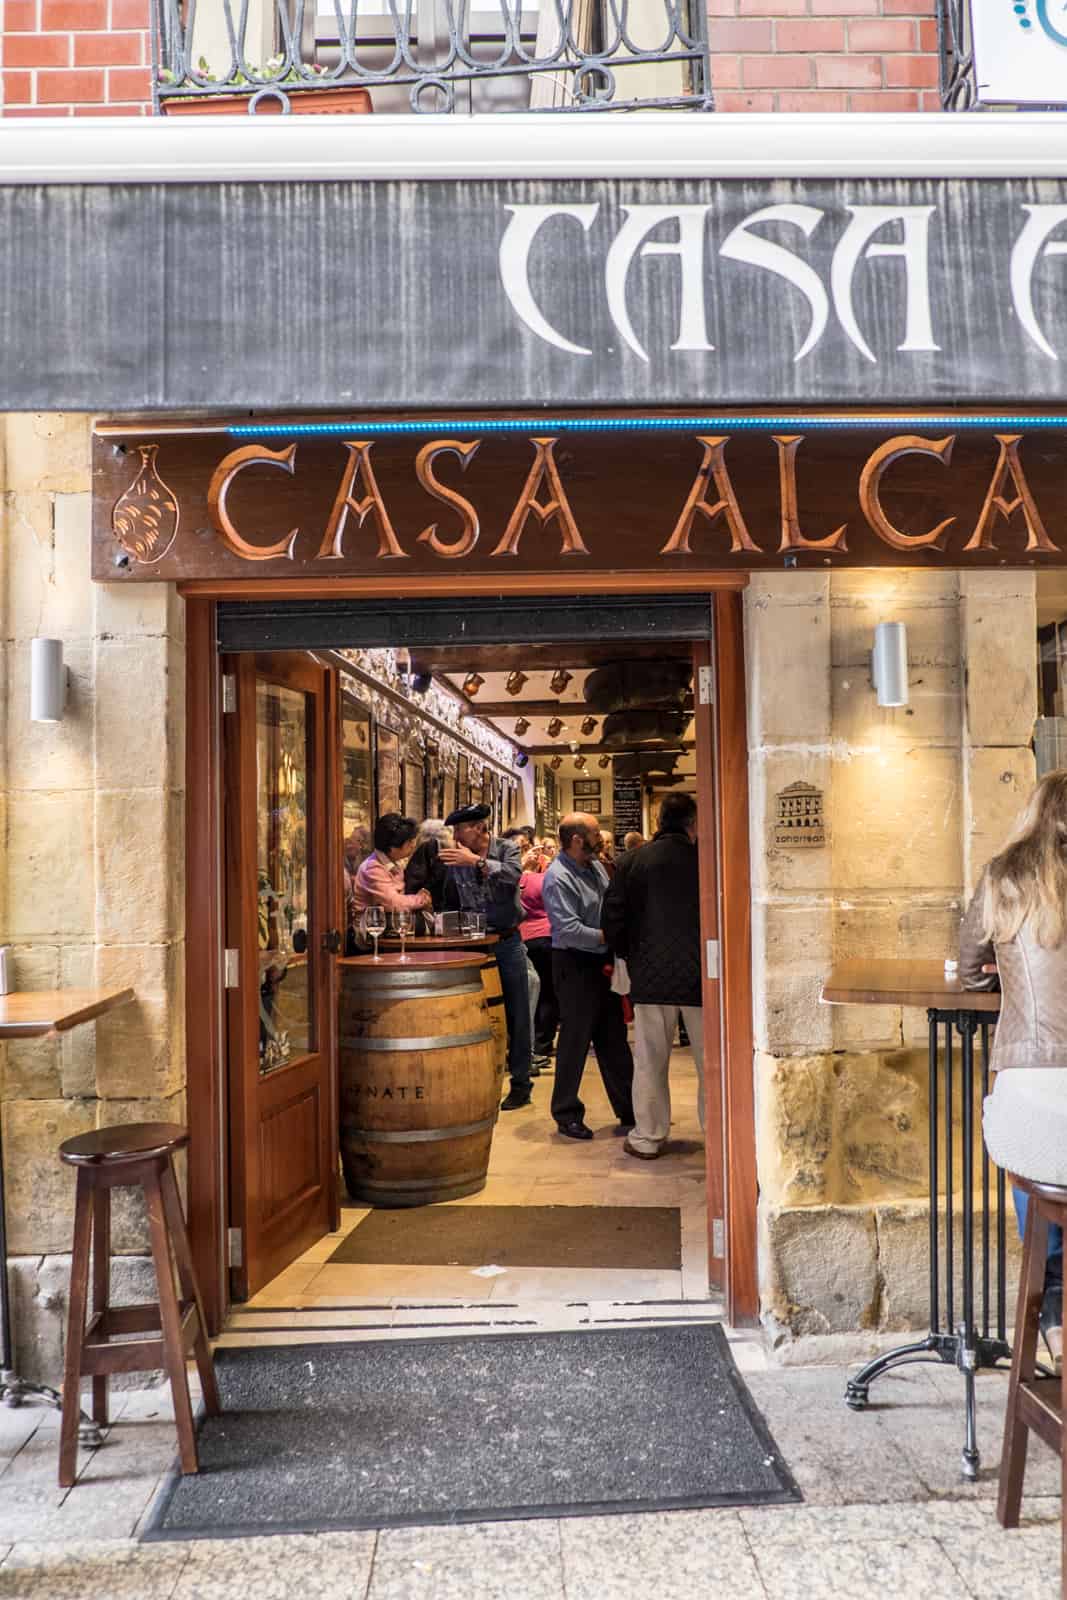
(91, 877)
(916, 800)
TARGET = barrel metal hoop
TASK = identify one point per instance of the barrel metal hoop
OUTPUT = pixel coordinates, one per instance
(392, 992)
(419, 1135)
(434, 1041)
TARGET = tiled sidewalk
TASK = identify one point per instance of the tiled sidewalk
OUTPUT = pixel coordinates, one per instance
(885, 1513)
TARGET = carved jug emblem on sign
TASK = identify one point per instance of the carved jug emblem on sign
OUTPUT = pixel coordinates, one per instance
(145, 518)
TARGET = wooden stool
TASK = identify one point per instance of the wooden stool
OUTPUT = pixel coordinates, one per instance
(1033, 1402)
(139, 1154)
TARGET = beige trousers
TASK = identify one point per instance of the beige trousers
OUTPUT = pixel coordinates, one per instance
(653, 1038)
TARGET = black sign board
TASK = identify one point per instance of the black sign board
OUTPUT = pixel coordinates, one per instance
(628, 806)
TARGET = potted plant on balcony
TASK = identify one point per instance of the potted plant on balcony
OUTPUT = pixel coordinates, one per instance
(264, 91)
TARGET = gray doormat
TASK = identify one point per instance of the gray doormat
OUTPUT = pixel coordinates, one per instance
(518, 1236)
(401, 1431)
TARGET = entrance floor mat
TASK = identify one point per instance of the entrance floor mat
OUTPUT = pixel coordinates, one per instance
(517, 1236)
(471, 1429)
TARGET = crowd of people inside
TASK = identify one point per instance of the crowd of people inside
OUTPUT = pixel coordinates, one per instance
(585, 943)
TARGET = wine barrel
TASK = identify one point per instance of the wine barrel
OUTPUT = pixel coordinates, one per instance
(420, 1080)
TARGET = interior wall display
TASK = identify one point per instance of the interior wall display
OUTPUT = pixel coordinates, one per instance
(449, 795)
(414, 790)
(357, 780)
(587, 789)
(799, 821)
(704, 494)
(388, 753)
(628, 803)
(463, 786)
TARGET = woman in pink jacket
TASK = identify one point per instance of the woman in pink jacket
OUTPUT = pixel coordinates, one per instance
(537, 936)
(380, 879)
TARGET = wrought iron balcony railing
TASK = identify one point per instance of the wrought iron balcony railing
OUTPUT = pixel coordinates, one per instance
(430, 55)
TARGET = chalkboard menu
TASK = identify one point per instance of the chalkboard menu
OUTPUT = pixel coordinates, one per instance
(628, 803)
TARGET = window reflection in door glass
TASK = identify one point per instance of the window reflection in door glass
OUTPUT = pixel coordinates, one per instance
(285, 1013)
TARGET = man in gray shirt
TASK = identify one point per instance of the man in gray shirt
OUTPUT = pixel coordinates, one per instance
(589, 1013)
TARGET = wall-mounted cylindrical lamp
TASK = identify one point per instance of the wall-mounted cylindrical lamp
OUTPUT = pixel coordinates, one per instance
(48, 680)
(472, 683)
(559, 680)
(555, 728)
(514, 681)
(605, 761)
(522, 725)
(588, 725)
(889, 664)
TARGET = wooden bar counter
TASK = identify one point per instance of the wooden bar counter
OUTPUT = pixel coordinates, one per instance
(33, 1013)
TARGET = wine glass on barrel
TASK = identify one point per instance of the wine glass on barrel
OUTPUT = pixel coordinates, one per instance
(374, 925)
(402, 924)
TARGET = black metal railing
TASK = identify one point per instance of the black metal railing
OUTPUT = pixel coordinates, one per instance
(431, 55)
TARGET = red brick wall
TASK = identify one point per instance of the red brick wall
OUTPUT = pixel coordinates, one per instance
(82, 58)
(824, 55)
(89, 58)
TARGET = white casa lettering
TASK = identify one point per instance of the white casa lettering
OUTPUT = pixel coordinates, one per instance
(863, 239)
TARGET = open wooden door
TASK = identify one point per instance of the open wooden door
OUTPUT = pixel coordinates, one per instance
(282, 900)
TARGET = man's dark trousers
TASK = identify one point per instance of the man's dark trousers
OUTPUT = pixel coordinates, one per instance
(515, 987)
(589, 1013)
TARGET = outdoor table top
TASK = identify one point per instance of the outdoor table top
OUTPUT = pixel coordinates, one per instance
(903, 983)
(32, 1013)
(422, 958)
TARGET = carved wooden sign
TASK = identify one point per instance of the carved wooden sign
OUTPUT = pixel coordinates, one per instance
(799, 821)
(212, 503)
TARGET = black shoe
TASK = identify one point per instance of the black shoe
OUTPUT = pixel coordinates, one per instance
(516, 1099)
(541, 1064)
(575, 1129)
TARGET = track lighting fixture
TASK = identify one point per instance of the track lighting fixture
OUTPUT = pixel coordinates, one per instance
(588, 725)
(555, 728)
(556, 763)
(522, 725)
(605, 761)
(559, 680)
(472, 683)
(514, 681)
(579, 762)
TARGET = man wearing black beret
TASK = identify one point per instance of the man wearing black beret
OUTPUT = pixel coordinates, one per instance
(483, 875)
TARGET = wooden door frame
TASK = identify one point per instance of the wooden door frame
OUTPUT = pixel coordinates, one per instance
(733, 1169)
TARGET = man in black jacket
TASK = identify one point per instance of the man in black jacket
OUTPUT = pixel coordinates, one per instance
(652, 917)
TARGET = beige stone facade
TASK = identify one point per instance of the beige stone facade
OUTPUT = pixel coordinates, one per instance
(916, 799)
(91, 880)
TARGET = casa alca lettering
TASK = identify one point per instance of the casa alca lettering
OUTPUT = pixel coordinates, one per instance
(826, 280)
(709, 523)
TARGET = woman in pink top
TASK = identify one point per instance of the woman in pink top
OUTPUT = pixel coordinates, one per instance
(537, 935)
(380, 879)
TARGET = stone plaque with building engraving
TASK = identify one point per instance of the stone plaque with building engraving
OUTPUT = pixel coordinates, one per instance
(799, 822)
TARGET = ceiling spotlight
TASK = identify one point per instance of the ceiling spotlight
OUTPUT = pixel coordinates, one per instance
(559, 680)
(522, 725)
(588, 725)
(575, 746)
(514, 681)
(555, 728)
(605, 761)
(472, 683)
(556, 763)
(579, 762)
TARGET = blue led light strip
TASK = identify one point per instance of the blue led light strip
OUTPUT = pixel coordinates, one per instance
(845, 422)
